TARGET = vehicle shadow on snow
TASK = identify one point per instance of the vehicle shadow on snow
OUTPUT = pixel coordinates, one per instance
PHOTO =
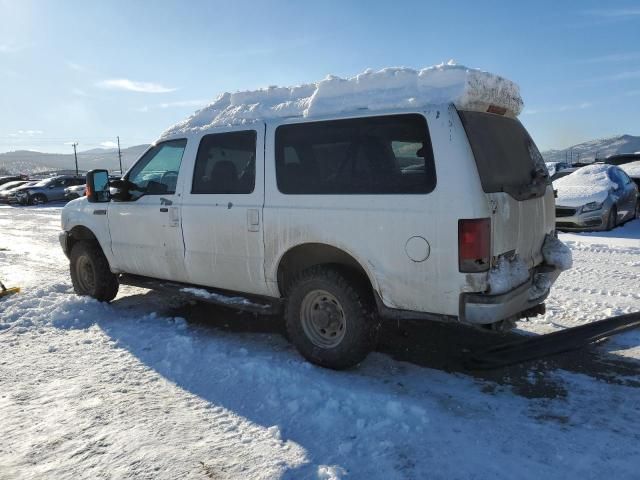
(445, 347)
(260, 377)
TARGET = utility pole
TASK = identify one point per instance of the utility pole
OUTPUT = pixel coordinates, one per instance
(75, 154)
(120, 157)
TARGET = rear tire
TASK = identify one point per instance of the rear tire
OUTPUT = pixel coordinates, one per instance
(90, 273)
(612, 219)
(329, 318)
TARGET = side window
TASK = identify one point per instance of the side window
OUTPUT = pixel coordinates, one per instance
(617, 178)
(625, 178)
(156, 173)
(373, 155)
(226, 163)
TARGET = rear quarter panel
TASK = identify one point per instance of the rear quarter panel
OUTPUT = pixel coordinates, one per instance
(374, 229)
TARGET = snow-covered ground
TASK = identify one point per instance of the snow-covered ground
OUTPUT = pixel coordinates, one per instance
(148, 388)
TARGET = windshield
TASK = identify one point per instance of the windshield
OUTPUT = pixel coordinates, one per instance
(506, 156)
(43, 183)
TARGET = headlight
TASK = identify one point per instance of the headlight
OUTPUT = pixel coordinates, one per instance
(590, 207)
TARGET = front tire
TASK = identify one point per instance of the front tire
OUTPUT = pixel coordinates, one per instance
(329, 318)
(612, 219)
(90, 273)
(38, 199)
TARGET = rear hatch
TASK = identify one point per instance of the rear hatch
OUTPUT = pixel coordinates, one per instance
(516, 182)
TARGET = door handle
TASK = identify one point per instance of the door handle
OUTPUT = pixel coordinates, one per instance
(253, 220)
(164, 210)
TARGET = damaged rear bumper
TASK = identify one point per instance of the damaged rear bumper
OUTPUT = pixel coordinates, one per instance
(480, 308)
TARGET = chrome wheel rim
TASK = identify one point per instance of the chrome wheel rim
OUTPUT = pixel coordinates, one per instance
(37, 200)
(86, 275)
(323, 319)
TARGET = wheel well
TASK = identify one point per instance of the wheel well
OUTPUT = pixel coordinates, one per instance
(80, 232)
(303, 256)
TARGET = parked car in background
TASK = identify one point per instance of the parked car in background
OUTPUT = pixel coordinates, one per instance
(76, 191)
(12, 178)
(555, 167)
(47, 190)
(11, 185)
(633, 170)
(622, 159)
(595, 197)
(562, 173)
(9, 195)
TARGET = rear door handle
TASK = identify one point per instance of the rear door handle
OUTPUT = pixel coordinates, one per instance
(164, 210)
(253, 220)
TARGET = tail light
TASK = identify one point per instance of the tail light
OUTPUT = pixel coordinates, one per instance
(474, 245)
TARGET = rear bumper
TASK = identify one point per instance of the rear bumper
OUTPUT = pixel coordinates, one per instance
(479, 308)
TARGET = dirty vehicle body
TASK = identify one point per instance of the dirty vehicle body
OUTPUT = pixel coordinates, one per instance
(586, 203)
(335, 220)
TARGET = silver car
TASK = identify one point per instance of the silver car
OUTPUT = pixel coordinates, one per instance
(595, 197)
(47, 190)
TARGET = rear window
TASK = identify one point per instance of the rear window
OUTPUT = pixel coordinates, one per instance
(506, 156)
(373, 155)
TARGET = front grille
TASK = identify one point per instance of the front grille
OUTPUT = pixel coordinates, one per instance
(565, 212)
(565, 225)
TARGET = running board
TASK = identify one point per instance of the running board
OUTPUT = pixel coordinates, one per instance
(533, 348)
(225, 298)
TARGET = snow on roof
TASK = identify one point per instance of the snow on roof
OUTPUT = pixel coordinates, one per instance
(585, 185)
(388, 88)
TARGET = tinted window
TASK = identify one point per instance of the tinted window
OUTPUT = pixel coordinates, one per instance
(506, 157)
(375, 155)
(617, 176)
(156, 173)
(226, 163)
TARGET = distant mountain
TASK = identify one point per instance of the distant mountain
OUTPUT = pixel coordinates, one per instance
(595, 149)
(26, 161)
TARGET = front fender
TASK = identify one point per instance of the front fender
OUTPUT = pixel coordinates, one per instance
(81, 213)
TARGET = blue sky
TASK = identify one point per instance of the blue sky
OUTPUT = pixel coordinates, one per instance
(88, 71)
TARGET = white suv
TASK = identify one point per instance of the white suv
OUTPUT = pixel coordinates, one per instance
(337, 221)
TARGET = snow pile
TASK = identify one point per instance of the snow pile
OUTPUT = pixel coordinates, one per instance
(388, 88)
(632, 169)
(224, 299)
(585, 185)
(507, 275)
(556, 253)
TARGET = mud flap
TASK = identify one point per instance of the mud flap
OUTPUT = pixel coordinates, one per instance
(533, 348)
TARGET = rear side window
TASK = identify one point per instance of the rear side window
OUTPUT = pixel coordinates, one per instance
(226, 163)
(506, 157)
(374, 155)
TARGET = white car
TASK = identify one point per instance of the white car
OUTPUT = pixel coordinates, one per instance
(440, 211)
(76, 191)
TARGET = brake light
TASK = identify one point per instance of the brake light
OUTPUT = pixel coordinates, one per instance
(474, 245)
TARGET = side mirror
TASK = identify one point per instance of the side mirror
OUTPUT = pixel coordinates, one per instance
(98, 186)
